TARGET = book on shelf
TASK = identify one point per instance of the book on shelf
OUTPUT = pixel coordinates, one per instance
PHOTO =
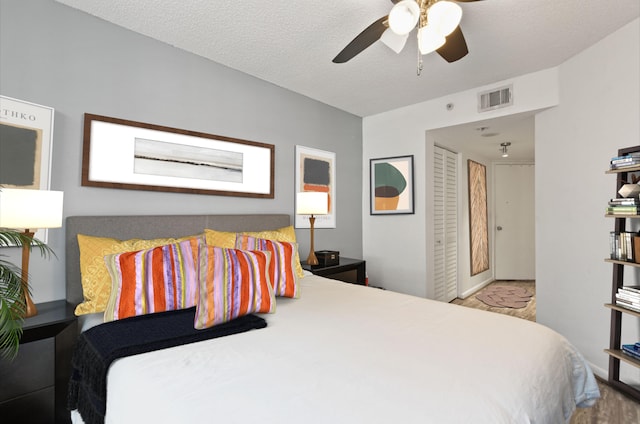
(632, 289)
(628, 160)
(627, 306)
(624, 201)
(623, 299)
(627, 156)
(631, 164)
(632, 350)
(624, 246)
(627, 297)
(622, 209)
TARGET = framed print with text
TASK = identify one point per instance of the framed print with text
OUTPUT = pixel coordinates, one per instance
(26, 143)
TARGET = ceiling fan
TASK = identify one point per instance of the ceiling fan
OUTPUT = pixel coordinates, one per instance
(438, 27)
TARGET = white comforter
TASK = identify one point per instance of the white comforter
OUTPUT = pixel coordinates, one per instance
(343, 353)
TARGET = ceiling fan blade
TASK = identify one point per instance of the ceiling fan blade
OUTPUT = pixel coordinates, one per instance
(465, 1)
(370, 35)
(455, 48)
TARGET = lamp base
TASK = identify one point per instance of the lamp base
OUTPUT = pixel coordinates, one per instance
(312, 259)
(30, 309)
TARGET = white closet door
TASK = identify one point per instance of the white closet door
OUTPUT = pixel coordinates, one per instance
(445, 224)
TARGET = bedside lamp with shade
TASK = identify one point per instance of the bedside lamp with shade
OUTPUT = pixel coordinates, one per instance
(312, 203)
(28, 210)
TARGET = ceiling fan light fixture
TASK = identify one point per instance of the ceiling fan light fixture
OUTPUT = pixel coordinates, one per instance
(394, 41)
(445, 16)
(404, 16)
(429, 39)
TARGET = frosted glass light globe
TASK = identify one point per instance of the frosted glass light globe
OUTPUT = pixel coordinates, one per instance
(404, 16)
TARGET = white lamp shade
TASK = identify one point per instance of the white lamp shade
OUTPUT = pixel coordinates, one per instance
(394, 41)
(30, 209)
(312, 203)
(429, 39)
(404, 16)
(444, 17)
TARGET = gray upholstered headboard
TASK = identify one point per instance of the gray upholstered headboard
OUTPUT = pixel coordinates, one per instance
(149, 227)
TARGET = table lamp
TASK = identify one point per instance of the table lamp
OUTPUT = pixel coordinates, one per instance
(312, 203)
(29, 210)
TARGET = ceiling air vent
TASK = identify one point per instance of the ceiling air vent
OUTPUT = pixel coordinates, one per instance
(494, 99)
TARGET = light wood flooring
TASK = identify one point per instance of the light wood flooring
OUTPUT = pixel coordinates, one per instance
(612, 408)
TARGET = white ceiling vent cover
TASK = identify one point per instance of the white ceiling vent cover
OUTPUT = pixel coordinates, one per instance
(496, 98)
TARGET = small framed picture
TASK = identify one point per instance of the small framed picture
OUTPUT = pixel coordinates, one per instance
(316, 171)
(391, 185)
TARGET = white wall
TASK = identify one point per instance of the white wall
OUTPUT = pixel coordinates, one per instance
(57, 56)
(597, 99)
(598, 113)
(399, 248)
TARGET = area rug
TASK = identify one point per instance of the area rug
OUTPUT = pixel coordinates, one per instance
(505, 296)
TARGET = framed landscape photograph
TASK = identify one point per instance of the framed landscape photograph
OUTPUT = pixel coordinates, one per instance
(391, 185)
(316, 171)
(132, 155)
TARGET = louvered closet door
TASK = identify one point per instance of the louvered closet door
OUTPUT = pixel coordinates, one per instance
(445, 224)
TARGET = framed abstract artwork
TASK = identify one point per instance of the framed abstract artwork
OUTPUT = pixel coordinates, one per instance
(133, 155)
(478, 219)
(26, 139)
(315, 170)
(26, 143)
(391, 185)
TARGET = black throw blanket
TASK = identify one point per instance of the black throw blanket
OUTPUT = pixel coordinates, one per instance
(99, 346)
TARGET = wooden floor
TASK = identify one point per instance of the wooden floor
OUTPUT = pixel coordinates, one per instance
(612, 408)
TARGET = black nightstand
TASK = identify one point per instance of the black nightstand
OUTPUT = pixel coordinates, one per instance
(34, 386)
(348, 270)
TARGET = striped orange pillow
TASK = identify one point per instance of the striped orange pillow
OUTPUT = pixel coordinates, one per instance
(282, 268)
(232, 283)
(159, 279)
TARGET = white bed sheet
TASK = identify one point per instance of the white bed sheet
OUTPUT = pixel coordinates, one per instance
(343, 353)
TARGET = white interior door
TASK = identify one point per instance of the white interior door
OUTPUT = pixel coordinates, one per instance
(515, 222)
(445, 224)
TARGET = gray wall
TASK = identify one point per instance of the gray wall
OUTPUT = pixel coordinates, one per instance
(59, 57)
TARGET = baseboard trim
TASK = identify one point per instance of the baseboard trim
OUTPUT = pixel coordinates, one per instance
(475, 288)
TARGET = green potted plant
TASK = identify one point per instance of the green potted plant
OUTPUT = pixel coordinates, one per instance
(12, 303)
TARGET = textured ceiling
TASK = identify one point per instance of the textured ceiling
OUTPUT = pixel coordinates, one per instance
(291, 43)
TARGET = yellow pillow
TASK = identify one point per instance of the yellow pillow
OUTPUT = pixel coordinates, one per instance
(228, 239)
(96, 282)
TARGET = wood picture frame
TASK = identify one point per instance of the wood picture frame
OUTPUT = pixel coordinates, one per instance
(478, 217)
(391, 185)
(124, 154)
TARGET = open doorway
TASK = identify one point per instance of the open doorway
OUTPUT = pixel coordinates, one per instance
(481, 142)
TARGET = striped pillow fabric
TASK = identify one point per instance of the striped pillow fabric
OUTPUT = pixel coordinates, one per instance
(282, 268)
(228, 239)
(232, 283)
(159, 279)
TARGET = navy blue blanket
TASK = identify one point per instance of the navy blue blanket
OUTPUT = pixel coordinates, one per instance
(99, 346)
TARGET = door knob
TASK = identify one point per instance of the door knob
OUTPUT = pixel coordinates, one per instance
(499, 228)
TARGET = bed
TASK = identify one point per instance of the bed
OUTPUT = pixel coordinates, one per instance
(339, 353)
